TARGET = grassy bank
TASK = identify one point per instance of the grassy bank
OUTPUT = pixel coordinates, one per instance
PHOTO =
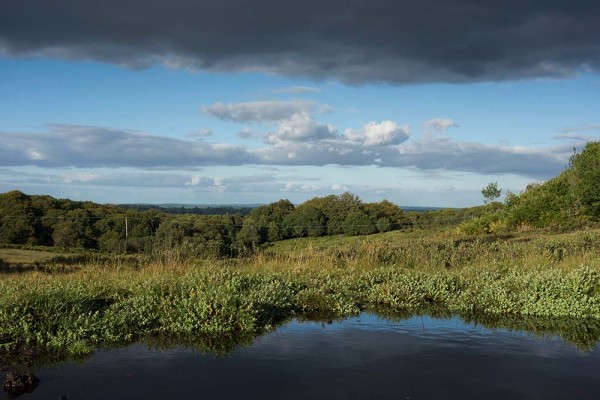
(499, 278)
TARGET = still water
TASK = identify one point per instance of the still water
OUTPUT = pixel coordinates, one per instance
(364, 357)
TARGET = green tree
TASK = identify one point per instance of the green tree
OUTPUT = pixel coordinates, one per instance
(76, 230)
(542, 205)
(248, 238)
(585, 179)
(305, 221)
(491, 192)
(17, 218)
(268, 220)
(335, 209)
(359, 223)
(388, 215)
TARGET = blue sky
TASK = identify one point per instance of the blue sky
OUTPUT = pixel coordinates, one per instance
(101, 124)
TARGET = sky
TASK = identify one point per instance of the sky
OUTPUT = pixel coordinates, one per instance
(421, 102)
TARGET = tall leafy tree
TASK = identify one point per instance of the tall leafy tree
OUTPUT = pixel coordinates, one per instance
(17, 219)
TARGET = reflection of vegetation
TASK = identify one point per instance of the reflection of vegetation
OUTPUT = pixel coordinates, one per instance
(583, 333)
(205, 344)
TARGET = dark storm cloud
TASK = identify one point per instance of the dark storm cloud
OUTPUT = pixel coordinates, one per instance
(355, 41)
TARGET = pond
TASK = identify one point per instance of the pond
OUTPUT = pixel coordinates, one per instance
(361, 357)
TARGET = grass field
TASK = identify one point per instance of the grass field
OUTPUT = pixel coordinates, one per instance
(18, 256)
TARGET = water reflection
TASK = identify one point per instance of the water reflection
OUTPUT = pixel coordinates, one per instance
(433, 355)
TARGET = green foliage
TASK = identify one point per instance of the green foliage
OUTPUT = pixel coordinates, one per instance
(304, 221)
(75, 229)
(347, 214)
(567, 201)
(543, 205)
(489, 223)
(359, 223)
(16, 219)
(389, 216)
(335, 209)
(585, 176)
(265, 224)
(445, 218)
(249, 237)
(207, 236)
(491, 192)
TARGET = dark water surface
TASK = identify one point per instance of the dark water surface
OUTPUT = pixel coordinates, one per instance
(364, 357)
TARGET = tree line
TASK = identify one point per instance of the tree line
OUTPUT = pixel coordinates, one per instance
(40, 220)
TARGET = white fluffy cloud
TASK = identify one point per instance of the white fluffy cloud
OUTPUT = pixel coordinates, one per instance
(379, 134)
(300, 127)
(294, 120)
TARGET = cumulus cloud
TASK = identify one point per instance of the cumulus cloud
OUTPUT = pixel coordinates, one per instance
(355, 41)
(301, 127)
(294, 119)
(379, 134)
(439, 125)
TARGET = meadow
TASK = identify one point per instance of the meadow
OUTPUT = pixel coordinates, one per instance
(545, 282)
